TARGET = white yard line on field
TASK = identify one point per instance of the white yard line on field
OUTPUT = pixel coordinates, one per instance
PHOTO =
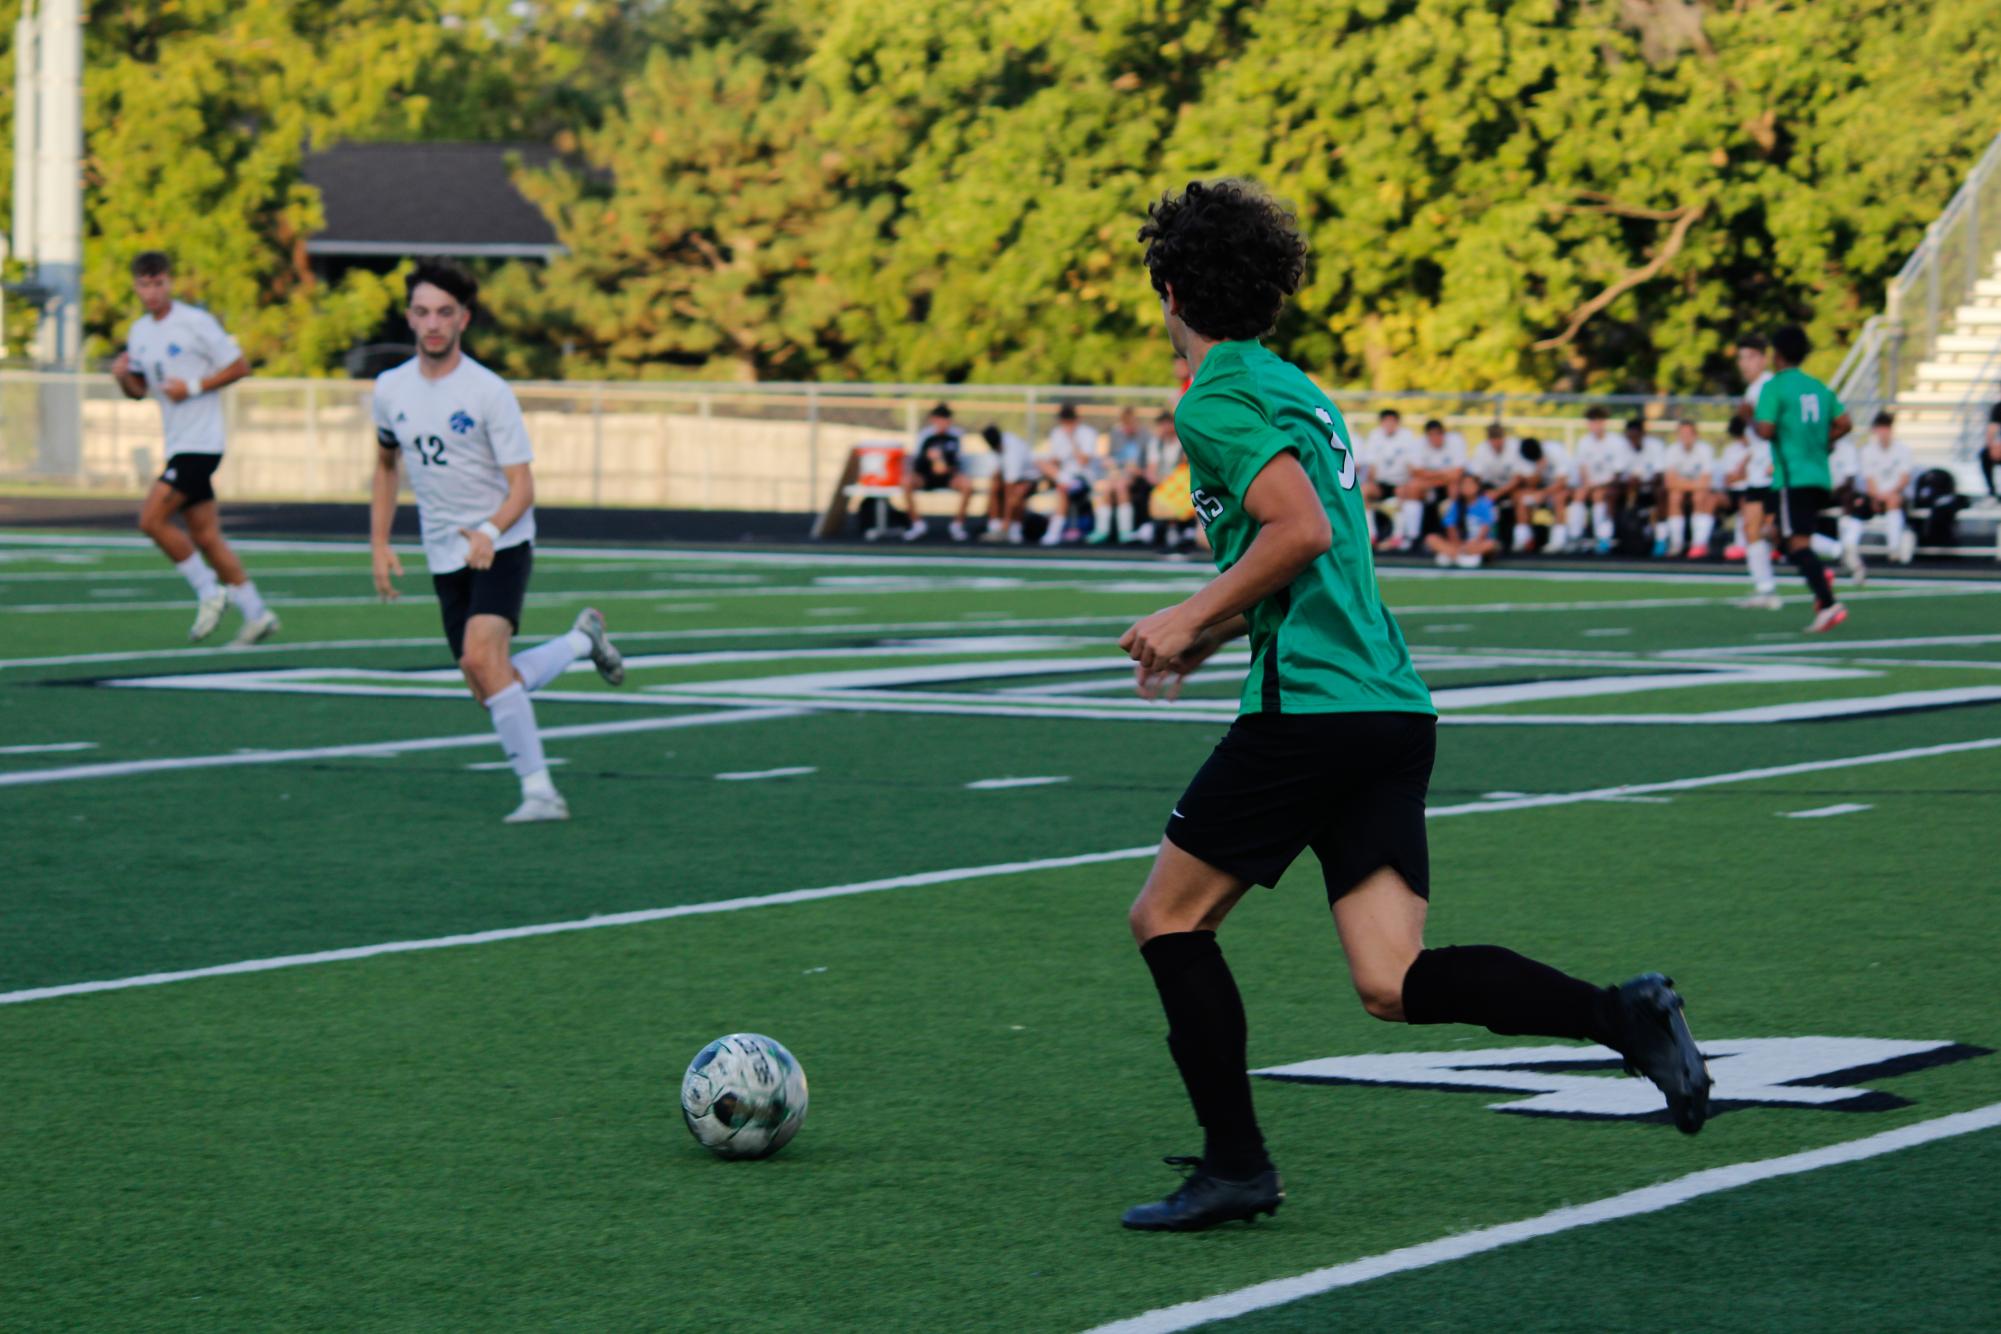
(48, 747)
(920, 878)
(1822, 812)
(1629, 1204)
(377, 749)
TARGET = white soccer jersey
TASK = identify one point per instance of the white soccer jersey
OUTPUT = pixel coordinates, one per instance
(188, 345)
(1844, 462)
(1386, 455)
(1759, 471)
(1496, 467)
(457, 436)
(1553, 468)
(1886, 468)
(1603, 459)
(1646, 460)
(1074, 451)
(1693, 462)
(1017, 458)
(1447, 454)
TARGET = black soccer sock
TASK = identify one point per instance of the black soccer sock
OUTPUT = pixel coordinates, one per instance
(1500, 990)
(1809, 565)
(1207, 1035)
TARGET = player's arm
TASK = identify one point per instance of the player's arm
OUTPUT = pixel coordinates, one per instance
(382, 514)
(222, 379)
(130, 382)
(1843, 424)
(520, 496)
(1293, 532)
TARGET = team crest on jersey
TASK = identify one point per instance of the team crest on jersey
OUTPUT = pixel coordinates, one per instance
(1207, 508)
(173, 349)
(461, 421)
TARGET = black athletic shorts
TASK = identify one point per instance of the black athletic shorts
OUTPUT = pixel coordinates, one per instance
(1760, 495)
(1799, 509)
(193, 475)
(1348, 785)
(498, 590)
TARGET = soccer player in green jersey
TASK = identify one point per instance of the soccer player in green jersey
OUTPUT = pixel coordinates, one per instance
(1333, 749)
(1803, 420)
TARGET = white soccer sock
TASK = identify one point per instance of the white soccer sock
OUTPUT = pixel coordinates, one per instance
(247, 599)
(1574, 520)
(1677, 530)
(1410, 519)
(1601, 521)
(1825, 547)
(199, 576)
(1523, 536)
(1705, 528)
(514, 719)
(1758, 556)
(1893, 527)
(1851, 532)
(545, 662)
(1122, 520)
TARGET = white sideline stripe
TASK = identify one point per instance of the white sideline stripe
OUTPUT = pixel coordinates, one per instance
(1630, 1204)
(705, 632)
(581, 924)
(928, 877)
(752, 775)
(111, 543)
(378, 749)
(48, 747)
(1821, 812)
(996, 784)
(1712, 780)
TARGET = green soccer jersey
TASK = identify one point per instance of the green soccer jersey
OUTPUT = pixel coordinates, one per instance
(1326, 644)
(1804, 410)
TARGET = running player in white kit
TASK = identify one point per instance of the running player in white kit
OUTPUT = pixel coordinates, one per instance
(182, 355)
(460, 430)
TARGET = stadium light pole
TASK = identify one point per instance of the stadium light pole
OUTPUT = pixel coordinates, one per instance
(48, 170)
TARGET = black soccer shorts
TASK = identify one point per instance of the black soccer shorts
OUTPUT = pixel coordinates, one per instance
(193, 475)
(498, 590)
(1351, 786)
(1799, 509)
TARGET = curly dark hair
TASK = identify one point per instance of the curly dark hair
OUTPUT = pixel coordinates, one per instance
(447, 277)
(1232, 253)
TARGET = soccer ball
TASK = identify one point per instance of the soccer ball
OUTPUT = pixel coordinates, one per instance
(744, 1096)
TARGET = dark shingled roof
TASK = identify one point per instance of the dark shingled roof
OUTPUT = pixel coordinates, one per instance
(428, 199)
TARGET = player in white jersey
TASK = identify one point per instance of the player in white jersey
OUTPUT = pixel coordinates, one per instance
(1753, 363)
(1605, 469)
(1497, 464)
(183, 356)
(1687, 469)
(1433, 465)
(1542, 470)
(1384, 455)
(1880, 479)
(455, 427)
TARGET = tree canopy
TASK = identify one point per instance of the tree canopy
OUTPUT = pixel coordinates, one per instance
(1582, 194)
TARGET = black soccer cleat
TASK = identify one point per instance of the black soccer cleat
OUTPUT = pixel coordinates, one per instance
(1649, 1031)
(1204, 1200)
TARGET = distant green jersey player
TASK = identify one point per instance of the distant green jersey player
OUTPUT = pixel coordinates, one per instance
(1803, 419)
(1334, 747)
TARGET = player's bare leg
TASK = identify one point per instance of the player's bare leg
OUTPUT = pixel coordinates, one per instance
(204, 522)
(156, 520)
(1758, 556)
(1381, 925)
(1174, 921)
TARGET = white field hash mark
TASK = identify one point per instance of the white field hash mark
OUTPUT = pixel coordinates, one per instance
(1630, 1204)
(997, 784)
(1822, 812)
(925, 877)
(753, 775)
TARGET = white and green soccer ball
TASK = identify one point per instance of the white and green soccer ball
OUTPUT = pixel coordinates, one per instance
(744, 1096)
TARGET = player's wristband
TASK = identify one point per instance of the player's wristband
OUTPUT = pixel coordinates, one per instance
(492, 533)
(194, 389)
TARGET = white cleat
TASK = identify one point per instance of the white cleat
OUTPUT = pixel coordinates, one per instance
(1469, 561)
(257, 630)
(1851, 561)
(1762, 602)
(538, 809)
(916, 531)
(604, 655)
(208, 615)
(1827, 618)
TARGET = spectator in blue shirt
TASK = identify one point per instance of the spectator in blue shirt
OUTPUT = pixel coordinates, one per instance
(1468, 538)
